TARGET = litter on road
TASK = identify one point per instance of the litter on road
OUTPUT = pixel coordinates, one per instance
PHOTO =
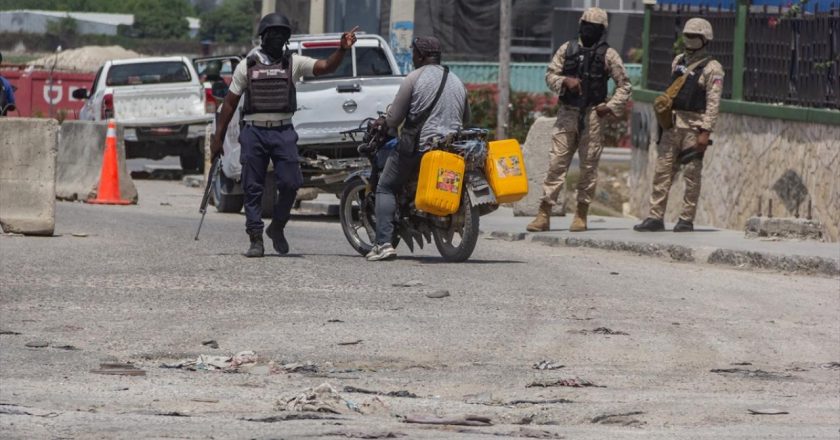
(118, 369)
(438, 294)
(757, 374)
(37, 344)
(600, 331)
(574, 383)
(211, 362)
(468, 420)
(211, 343)
(625, 419)
(548, 365)
(767, 412)
(400, 393)
(358, 341)
(412, 283)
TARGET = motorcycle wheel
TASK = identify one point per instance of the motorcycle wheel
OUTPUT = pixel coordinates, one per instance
(358, 220)
(457, 243)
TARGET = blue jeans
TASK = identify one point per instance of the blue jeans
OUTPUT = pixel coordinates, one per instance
(258, 146)
(399, 170)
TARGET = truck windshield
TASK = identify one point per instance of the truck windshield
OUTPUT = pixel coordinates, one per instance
(370, 61)
(148, 73)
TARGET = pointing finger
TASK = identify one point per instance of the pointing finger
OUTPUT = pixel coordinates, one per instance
(353, 30)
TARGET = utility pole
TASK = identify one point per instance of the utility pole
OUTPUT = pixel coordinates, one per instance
(502, 113)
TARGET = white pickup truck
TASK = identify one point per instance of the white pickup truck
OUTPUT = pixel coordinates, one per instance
(364, 84)
(160, 102)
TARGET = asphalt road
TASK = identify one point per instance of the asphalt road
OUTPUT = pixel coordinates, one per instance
(133, 286)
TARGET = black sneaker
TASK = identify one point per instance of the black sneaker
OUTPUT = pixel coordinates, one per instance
(684, 226)
(256, 250)
(650, 225)
(278, 238)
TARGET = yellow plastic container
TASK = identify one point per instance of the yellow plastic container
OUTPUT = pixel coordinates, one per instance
(440, 183)
(505, 170)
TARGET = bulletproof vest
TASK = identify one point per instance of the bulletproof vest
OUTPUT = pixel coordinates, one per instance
(589, 65)
(691, 96)
(271, 88)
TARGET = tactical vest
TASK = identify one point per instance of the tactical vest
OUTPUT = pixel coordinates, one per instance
(589, 65)
(271, 88)
(691, 97)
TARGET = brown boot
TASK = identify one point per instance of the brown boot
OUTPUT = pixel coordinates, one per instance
(579, 222)
(543, 221)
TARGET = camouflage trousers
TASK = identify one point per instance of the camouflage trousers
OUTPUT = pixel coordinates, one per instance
(667, 167)
(566, 140)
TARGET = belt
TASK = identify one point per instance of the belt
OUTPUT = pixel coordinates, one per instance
(269, 124)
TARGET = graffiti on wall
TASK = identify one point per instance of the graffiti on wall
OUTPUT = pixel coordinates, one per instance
(402, 32)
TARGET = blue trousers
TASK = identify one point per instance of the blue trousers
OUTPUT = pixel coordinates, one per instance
(258, 146)
(399, 170)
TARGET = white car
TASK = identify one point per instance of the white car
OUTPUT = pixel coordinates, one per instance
(160, 102)
(363, 86)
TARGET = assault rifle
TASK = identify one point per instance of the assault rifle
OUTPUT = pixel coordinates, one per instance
(211, 176)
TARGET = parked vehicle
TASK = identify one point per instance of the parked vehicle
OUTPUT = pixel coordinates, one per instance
(365, 83)
(160, 102)
(455, 235)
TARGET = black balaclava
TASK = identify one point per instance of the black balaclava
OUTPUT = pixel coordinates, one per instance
(274, 42)
(590, 33)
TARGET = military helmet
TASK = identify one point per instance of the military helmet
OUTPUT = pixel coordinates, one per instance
(274, 20)
(699, 26)
(596, 16)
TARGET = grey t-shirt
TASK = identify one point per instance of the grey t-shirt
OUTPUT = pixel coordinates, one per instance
(417, 93)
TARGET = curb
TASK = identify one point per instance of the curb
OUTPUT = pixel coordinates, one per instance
(722, 257)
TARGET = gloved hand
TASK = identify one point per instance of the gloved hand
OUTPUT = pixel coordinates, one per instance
(572, 84)
(702, 140)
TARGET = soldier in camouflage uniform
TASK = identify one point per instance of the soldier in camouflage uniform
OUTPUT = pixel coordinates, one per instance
(696, 110)
(579, 73)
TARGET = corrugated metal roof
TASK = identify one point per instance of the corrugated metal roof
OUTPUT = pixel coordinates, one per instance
(524, 77)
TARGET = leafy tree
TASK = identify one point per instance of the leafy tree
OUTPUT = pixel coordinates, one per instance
(65, 30)
(232, 22)
(161, 18)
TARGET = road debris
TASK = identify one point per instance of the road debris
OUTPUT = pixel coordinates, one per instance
(119, 369)
(613, 273)
(173, 414)
(767, 412)
(366, 435)
(358, 341)
(756, 374)
(523, 432)
(323, 398)
(741, 363)
(831, 366)
(335, 321)
(437, 294)
(548, 365)
(625, 419)
(468, 420)
(243, 358)
(211, 362)
(299, 367)
(79, 234)
(9, 332)
(165, 204)
(17, 410)
(205, 400)
(536, 402)
(574, 383)
(600, 331)
(66, 347)
(37, 344)
(412, 283)
(400, 393)
(211, 343)
(293, 416)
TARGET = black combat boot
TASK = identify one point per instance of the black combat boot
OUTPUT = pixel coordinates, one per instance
(684, 226)
(650, 225)
(256, 250)
(278, 238)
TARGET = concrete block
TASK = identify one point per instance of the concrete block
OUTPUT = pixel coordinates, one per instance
(27, 175)
(81, 145)
(794, 228)
(535, 150)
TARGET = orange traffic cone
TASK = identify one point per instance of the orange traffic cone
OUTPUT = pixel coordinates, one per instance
(109, 179)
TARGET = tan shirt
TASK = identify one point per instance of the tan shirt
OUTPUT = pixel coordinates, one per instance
(301, 66)
(615, 67)
(711, 80)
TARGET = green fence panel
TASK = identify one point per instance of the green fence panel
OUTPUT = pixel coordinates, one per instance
(524, 77)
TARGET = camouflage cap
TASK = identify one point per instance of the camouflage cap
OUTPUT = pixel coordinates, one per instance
(595, 15)
(699, 26)
(426, 45)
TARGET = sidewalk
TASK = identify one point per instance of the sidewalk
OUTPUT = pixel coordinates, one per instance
(706, 244)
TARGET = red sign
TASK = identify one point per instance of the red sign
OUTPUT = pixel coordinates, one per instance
(38, 95)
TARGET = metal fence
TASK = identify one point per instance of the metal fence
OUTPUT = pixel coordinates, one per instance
(666, 26)
(793, 59)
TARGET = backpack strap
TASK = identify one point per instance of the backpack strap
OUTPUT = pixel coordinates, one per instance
(422, 117)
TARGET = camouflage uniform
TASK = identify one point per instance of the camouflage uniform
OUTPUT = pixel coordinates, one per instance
(567, 139)
(682, 136)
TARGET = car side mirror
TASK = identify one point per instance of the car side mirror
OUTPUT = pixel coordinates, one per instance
(80, 94)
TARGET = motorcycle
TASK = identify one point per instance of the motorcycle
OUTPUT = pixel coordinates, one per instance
(455, 236)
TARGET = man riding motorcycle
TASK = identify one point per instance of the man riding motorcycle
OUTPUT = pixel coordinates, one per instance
(430, 102)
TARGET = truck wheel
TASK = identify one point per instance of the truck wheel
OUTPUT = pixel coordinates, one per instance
(226, 202)
(192, 162)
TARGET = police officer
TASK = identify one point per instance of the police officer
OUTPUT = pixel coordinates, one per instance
(416, 98)
(579, 73)
(696, 110)
(267, 79)
(7, 94)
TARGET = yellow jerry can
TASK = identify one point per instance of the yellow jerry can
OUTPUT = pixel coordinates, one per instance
(440, 183)
(505, 170)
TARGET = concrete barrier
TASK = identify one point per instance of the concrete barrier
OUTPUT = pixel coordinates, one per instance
(27, 175)
(80, 148)
(535, 150)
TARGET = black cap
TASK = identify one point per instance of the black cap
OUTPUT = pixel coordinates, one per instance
(426, 45)
(274, 20)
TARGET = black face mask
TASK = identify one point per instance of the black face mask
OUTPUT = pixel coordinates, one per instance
(590, 33)
(274, 43)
